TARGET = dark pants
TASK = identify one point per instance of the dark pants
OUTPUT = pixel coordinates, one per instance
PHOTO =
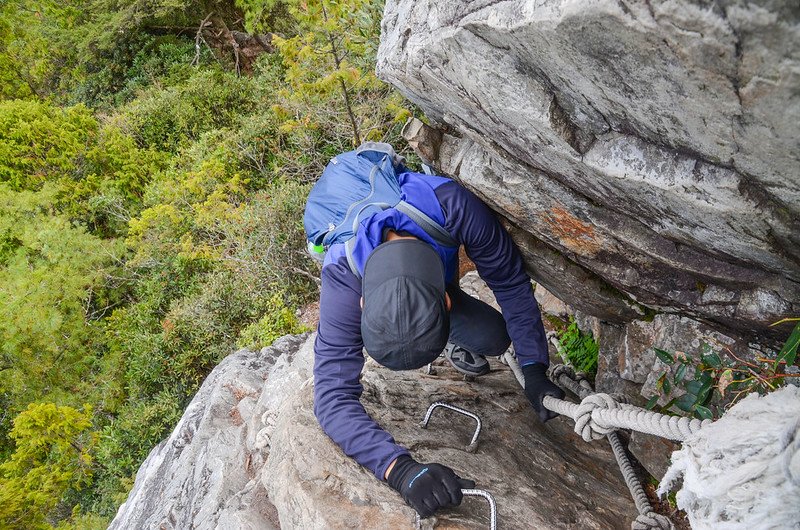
(476, 326)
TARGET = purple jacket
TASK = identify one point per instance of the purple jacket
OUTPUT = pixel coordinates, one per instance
(338, 357)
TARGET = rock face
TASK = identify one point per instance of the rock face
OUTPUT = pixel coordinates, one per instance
(249, 454)
(207, 474)
(645, 154)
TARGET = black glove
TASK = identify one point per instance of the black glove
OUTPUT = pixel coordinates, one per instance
(427, 487)
(537, 386)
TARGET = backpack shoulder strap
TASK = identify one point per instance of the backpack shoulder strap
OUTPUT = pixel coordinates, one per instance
(351, 261)
(379, 149)
(431, 227)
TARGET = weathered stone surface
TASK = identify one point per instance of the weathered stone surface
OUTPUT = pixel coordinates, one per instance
(645, 154)
(629, 355)
(206, 474)
(549, 303)
(652, 452)
(541, 477)
(249, 453)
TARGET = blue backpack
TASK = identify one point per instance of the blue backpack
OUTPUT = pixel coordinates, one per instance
(355, 185)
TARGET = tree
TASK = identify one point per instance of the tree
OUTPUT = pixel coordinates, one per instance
(50, 270)
(37, 49)
(328, 59)
(41, 142)
(52, 455)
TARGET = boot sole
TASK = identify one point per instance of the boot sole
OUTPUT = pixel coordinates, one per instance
(467, 372)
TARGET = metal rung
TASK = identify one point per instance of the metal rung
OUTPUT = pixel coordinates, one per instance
(474, 443)
(476, 493)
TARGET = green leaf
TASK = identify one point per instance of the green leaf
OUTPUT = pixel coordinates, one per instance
(703, 412)
(693, 387)
(664, 356)
(667, 386)
(666, 407)
(680, 373)
(703, 394)
(686, 402)
(651, 403)
(712, 360)
(789, 351)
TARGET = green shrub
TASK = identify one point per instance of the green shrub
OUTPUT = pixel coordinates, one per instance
(98, 173)
(257, 145)
(278, 320)
(52, 455)
(108, 191)
(51, 270)
(166, 61)
(126, 442)
(40, 142)
(579, 348)
(707, 382)
(173, 117)
(84, 521)
(268, 242)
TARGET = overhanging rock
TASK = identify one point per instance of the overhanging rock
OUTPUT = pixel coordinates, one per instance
(645, 154)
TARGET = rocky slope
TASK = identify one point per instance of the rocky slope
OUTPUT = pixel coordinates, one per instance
(249, 454)
(646, 154)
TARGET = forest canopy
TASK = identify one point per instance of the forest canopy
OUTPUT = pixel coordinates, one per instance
(154, 162)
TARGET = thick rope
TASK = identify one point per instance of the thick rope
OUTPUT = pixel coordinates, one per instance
(652, 521)
(647, 519)
(629, 474)
(600, 413)
(588, 427)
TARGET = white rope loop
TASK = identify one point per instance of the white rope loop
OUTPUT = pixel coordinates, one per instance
(590, 423)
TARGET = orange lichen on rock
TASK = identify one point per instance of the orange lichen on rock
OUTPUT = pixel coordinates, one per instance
(576, 235)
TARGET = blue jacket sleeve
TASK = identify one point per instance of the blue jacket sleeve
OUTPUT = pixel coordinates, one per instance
(500, 265)
(338, 361)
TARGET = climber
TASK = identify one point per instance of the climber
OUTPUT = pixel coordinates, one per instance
(406, 309)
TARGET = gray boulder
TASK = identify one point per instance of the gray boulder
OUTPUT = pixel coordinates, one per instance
(645, 155)
(207, 474)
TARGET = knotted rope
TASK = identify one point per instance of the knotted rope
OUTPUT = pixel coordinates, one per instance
(593, 420)
(739, 472)
(598, 414)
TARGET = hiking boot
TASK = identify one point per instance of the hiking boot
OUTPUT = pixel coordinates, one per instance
(465, 362)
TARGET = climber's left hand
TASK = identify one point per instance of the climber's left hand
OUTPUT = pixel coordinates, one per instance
(537, 386)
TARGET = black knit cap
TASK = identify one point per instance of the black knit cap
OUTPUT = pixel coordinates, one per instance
(404, 322)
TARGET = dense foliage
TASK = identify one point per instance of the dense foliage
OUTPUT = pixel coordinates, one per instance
(152, 179)
(578, 348)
